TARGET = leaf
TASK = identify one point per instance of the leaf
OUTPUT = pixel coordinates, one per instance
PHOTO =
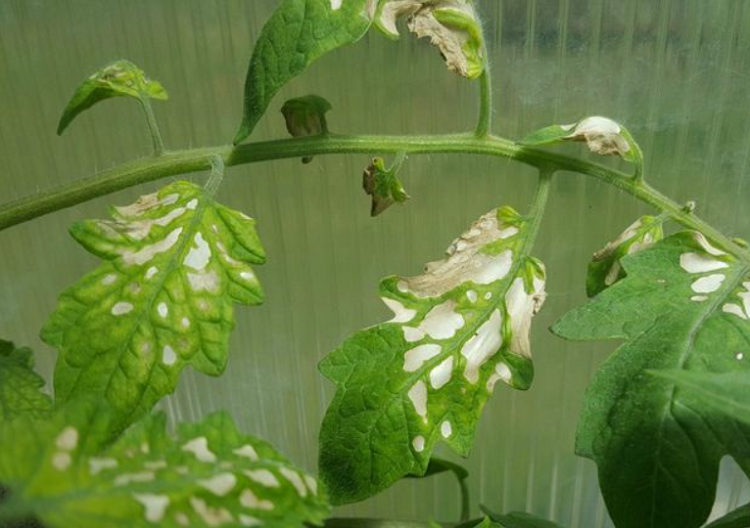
(601, 134)
(682, 306)
(297, 34)
(383, 186)
(605, 268)
(739, 518)
(122, 78)
(425, 375)
(174, 263)
(306, 116)
(518, 520)
(439, 465)
(451, 25)
(208, 475)
(728, 392)
(20, 387)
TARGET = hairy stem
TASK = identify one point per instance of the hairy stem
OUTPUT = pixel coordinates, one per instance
(153, 126)
(485, 103)
(539, 205)
(187, 161)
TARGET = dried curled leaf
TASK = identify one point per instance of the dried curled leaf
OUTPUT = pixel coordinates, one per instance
(306, 116)
(207, 475)
(175, 262)
(602, 136)
(605, 267)
(119, 79)
(451, 25)
(383, 185)
(424, 376)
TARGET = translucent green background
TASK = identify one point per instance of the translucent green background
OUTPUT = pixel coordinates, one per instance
(675, 71)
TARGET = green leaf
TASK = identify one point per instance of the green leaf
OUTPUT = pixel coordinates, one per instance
(518, 520)
(439, 465)
(683, 306)
(208, 475)
(727, 392)
(451, 25)
(601, 134)
(297, 34)
(20, 387)
(739, 518)
(174, 263)
(605, 267)
(120, 79)
(383, 186)
(424, 376)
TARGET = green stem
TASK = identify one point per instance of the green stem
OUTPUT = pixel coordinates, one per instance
(485, 103)
(187, 161)
(153, 126)
(536, 213)
(465, 499)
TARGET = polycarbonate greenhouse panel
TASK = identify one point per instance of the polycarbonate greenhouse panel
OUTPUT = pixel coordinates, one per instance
(675, 72)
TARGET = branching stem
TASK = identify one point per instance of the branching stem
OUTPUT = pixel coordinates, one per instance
(187, 161)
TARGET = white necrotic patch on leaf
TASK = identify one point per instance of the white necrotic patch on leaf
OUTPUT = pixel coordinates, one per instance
(451, 25)
(602, 135)
(457, 328)
(180, 489)
(175, 262)
(119, 79)
(605, 268)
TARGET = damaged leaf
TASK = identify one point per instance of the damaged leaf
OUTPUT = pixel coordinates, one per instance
(601, 134)
(424, 376)
(306, 116)
(605, 267)
(119, 79)
(383, 186)
(451, 25)
(174, 263)
(298, 33)
(683, 306)
(20, 387)
(208, 474)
